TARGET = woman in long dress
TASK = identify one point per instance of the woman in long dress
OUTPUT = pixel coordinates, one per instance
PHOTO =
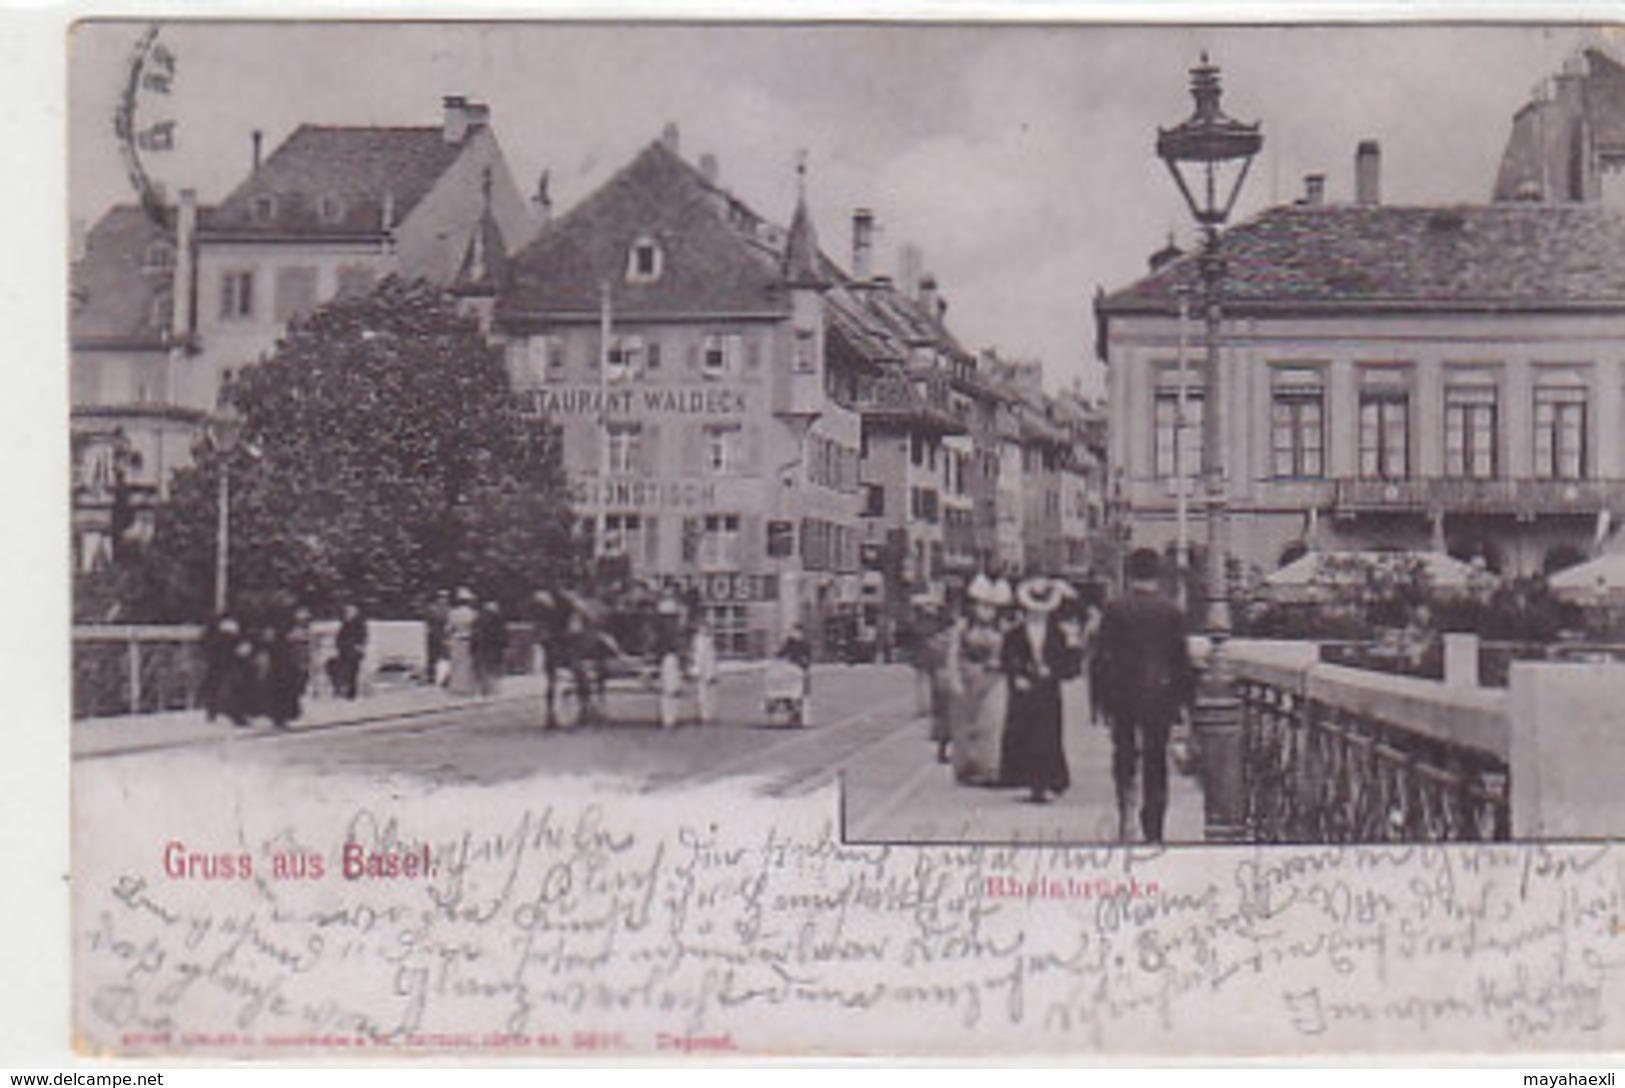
(1038, 655)
(460, 637)
(978, 696)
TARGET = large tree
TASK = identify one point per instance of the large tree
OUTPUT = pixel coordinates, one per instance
(382, 457)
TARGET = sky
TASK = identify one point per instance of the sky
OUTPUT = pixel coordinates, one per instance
(1018, 159)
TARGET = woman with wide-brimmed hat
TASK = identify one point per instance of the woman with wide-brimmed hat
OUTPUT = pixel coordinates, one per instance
(976, 683)
(1038, 654)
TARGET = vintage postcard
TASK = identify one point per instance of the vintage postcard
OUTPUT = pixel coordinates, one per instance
(737, 540)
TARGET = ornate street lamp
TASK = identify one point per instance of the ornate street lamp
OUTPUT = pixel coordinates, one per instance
(1209, 155)
(224, 432)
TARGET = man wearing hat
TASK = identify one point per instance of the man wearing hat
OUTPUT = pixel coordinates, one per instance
(1038, 654)
(1142, 679)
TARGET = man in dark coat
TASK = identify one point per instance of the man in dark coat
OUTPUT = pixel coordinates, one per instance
(351, 646)
(1039, 653)
(1142, 679)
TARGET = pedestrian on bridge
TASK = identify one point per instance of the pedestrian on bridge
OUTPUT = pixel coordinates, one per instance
(1038, 654)
(1143, 680)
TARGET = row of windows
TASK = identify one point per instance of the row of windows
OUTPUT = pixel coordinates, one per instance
(294, 291)
(712, 541)
(630, 357)
(715, 541)
(1471, 428)
(631, 448)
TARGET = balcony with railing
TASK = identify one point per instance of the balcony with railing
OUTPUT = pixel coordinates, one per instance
(1522, 497)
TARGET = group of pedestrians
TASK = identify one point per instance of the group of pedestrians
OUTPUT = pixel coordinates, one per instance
(996, 676)
(467, 643)
(255, 670)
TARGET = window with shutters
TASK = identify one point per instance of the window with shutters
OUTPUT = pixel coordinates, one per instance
(295, 292)
(237, 295)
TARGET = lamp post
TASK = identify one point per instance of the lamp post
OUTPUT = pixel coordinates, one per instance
(225, 429)
(1209, 155)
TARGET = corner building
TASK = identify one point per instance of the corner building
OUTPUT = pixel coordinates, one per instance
(677, 339)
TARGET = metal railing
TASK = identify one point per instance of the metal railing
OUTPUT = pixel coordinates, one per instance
(1337, 755)
(1498, 496)
(133, 669)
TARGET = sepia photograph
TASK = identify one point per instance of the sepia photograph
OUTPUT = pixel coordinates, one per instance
(712, 540)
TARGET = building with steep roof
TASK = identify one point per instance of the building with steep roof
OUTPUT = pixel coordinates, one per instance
(681, 343)
(163, 314)
(1445, 378)
(335, 209)
(1568, 142)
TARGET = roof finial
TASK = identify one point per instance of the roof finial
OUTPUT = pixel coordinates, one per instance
(801, 174)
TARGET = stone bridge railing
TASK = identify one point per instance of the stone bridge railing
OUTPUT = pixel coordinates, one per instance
(1335, 754)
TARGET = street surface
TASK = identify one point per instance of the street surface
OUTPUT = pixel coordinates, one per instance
(866, 731)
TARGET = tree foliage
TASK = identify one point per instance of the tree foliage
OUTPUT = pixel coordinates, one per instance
(382, 457)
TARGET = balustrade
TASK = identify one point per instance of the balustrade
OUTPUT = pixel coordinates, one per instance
(1334, 755)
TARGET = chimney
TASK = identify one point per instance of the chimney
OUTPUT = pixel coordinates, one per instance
(910, 268)
(1314, 190)
(1368, 173)
(930, 301)
(259, 143)
(185, 260)
(863, 239)
(456, 120)
(386, 218)
(709, 169)
(671, 138)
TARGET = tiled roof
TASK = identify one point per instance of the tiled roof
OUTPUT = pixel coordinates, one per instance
(1374, 258)
(116, 286)
(327, 181)
(717, 257)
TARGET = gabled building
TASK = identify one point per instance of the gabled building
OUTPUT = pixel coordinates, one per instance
(335, 209)
(163, 314)
(1444, 378)
(711, 437)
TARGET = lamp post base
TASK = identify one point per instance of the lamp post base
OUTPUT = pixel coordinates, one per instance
(1216, 723)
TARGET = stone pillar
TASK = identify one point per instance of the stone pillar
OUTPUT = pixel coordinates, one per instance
(1461, 660)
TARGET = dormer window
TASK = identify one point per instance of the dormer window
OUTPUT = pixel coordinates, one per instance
(262, 209)
(643, 263)
(329, 208)
(159, 257)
